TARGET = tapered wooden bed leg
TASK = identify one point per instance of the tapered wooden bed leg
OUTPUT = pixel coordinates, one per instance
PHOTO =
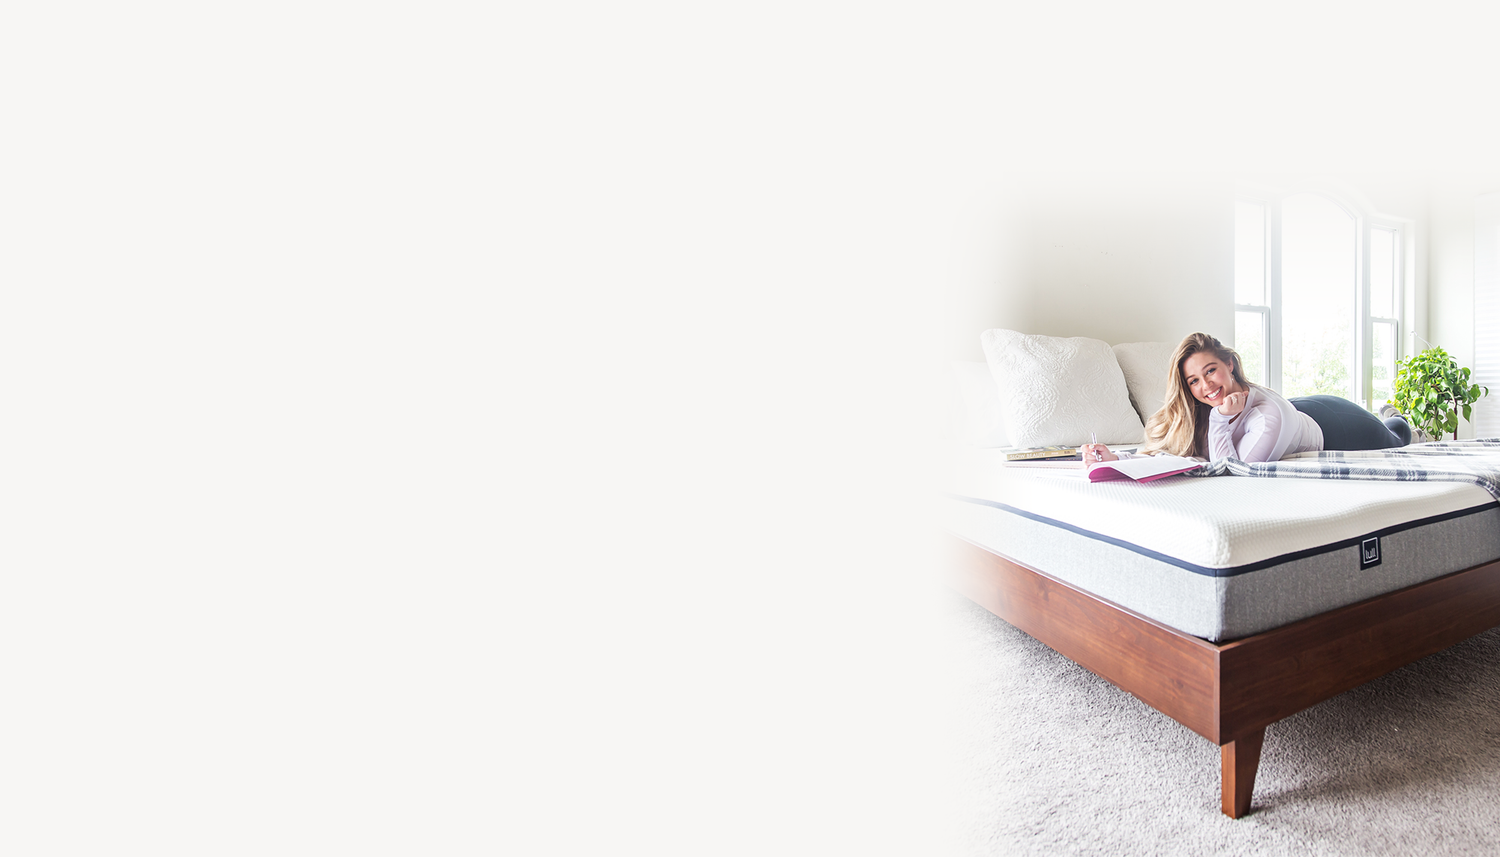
(1241, 758)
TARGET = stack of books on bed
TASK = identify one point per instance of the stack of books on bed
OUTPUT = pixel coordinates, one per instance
(1061, 453)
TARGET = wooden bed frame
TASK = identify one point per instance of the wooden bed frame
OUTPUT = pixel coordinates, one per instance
(1230, 692)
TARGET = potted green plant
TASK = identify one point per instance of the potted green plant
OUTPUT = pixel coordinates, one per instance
(1431, 388)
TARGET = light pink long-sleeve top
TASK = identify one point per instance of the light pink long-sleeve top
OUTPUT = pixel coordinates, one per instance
(1267, 429)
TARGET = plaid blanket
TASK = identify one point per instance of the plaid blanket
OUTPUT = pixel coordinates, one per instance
(1473, 461)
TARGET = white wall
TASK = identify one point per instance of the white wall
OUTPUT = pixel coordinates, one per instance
(1122, 259)
(1152, 258)
(1451, 266)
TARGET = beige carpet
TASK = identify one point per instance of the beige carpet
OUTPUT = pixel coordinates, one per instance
(1053, 760)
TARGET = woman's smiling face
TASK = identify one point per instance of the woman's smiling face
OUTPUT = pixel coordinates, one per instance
(1208, 378)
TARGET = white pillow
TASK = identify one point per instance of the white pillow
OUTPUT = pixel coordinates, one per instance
(978, 421)
(1147, 366)
(1055, 391)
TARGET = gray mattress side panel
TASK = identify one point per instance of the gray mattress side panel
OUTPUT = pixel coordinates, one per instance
(1173, 596)
(1272, 597)
(1227, 608)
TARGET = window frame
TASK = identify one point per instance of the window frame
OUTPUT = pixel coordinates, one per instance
(1362, 362)
(1368, 320)
(1270, 311)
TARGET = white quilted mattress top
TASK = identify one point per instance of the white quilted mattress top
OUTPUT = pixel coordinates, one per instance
(1217, 522)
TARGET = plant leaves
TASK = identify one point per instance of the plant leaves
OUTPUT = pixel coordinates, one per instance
(1432, 390)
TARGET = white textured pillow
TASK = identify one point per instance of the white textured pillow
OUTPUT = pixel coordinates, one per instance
(1056, 391)
(1147, 366)
(980, 422)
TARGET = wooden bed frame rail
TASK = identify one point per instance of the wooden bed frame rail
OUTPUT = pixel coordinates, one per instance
(1229, 693)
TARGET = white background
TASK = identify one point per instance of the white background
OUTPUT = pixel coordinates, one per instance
(431, 429)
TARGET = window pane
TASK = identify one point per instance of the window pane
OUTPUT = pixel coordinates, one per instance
(1250, 342)
(1250, 253)
(1318, 278)
(1382, 273)
(1383, 363)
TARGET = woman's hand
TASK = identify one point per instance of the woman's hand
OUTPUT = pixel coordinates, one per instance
(1093, 453)
(1233, 404)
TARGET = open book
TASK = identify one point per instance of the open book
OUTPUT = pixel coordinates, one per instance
(1143, 468)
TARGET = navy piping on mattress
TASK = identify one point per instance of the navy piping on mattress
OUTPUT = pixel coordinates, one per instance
(1231, 571)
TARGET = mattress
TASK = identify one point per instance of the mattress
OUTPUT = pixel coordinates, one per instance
(1223, 557)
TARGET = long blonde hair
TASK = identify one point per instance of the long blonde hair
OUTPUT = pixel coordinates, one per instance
(1181, 426)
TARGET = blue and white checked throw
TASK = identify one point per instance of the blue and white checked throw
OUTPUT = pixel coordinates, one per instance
(1473, 461)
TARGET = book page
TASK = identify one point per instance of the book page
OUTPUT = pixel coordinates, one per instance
(1144, 468)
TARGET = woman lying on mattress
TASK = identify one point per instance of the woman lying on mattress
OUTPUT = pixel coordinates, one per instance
(1212, 412)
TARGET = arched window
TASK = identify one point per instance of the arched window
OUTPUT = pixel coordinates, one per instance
(1320, 291)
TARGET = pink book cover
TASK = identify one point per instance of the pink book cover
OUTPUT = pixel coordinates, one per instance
(1144, 469)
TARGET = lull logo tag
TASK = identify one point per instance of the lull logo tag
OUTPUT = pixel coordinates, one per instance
(1369, 552)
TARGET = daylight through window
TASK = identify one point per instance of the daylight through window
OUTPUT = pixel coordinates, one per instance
(1319, 292)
